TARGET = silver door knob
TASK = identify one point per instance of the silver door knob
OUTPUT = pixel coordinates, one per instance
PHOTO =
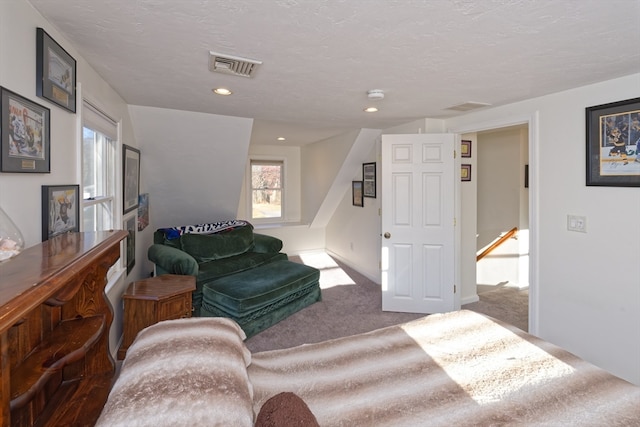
(387, 235)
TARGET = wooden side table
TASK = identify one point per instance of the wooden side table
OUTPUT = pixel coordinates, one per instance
(152, 300)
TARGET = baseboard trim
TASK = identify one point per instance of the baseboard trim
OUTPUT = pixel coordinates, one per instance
(368, 275)
(469, 300)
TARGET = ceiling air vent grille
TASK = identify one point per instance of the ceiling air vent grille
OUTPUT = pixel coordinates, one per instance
(468, 106)
(234, 65)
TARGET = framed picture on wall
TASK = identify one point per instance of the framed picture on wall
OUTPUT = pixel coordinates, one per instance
(465, 173)
(613, 144)
(60, 210)
(356, 193)
(369, 179)
(129, 224)
(465, 148)
(130, 178)
(55, 72)
(143, 211)
(24, 134)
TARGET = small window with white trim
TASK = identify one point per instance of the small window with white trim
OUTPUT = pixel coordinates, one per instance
(267, 190)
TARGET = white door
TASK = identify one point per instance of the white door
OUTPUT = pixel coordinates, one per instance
(420, 186)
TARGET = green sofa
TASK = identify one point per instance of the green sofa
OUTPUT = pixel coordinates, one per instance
(239, 274)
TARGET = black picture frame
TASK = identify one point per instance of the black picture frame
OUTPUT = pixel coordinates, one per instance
(130, 178)
(465, 148)
(25, 129)
(356, 193)
(465, 172)
(129, 224)
(60, 210)
(613, 143)
(369, 179)
(55, 72)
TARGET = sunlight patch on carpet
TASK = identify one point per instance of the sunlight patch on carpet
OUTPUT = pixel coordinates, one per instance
(330, 272)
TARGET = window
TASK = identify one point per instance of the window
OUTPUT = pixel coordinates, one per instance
(267, 189)
(99, 137)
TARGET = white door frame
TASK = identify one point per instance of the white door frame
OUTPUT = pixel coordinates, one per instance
(532, 122)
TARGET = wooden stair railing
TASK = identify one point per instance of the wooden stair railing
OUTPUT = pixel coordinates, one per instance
(497, 243)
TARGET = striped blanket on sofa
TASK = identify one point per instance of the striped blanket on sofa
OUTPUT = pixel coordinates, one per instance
(454, 369)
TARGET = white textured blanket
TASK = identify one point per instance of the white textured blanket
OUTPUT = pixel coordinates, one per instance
(456, 369)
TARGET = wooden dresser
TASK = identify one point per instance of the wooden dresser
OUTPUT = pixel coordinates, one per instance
(54, 331)
(152, 300)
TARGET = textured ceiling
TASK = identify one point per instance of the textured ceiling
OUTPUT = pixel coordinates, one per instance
(321, 56)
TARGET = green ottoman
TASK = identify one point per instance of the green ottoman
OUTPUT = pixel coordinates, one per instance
(261, 297)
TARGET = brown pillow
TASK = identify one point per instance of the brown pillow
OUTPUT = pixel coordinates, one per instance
(285, 409)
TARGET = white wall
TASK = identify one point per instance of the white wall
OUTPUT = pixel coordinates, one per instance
(320, 163)
(296, 238)
(20, 193)
(588, 292)
(195, 164)
(417, 126)
(353, 234)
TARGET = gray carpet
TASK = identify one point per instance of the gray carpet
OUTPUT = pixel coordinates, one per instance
(351, 304)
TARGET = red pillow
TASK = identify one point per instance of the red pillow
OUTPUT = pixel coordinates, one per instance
(285, 409)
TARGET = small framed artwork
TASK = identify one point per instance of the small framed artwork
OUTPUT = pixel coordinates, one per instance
(143, 211)
(613, 144)
(369, 179)
(55, 72)
(130, 178)
(129, 224)
(465, 173)
(60, 210)
(24, 134)
(356, 193)
(465, 148)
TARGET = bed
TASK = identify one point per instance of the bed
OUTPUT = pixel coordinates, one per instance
(460, 368)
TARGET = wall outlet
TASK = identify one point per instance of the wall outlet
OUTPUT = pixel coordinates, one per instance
(577, 223)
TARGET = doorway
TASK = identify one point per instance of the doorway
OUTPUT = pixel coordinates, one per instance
(502, 209)
(527, 258)
(502, 206)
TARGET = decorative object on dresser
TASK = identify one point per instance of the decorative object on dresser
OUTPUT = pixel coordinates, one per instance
(11, 240)
(54, 328)
(153, 300)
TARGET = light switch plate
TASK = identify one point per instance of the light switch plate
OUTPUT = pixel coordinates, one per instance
(577, 223)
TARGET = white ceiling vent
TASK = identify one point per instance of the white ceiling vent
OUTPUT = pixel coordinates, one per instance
(228, 64)
(468, 106)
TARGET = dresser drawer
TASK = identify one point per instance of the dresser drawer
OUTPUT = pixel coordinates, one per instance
(175, 308)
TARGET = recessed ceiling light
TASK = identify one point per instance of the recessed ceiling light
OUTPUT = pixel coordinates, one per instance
(282, 138)
(370, 110)
(222, 91)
